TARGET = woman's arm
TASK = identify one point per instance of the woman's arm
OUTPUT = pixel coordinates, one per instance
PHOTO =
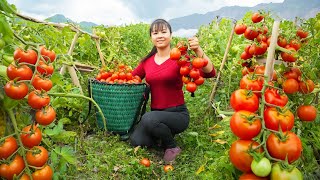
(194, 45)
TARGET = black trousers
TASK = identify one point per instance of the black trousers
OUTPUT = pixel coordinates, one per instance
(160, 125)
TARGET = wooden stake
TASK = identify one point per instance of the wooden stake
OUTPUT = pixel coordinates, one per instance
(213, 92)
(271, 50)
(100, 52)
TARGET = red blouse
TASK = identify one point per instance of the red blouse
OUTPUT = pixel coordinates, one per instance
(165, 82)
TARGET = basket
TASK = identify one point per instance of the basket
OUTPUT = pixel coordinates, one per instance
(121, 104)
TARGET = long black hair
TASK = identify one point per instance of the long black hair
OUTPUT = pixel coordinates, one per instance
(156, 25)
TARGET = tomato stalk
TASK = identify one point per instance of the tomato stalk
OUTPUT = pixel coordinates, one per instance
(84, 97)
(14, 122)
(5, 137)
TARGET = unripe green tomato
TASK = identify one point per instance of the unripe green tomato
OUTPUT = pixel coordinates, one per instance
(261, 168)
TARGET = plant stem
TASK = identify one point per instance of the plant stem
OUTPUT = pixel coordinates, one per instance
(84, 97)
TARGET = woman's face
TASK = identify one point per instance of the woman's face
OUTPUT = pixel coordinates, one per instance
(161, 37)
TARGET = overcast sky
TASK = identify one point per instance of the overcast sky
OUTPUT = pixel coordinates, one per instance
(116, 12)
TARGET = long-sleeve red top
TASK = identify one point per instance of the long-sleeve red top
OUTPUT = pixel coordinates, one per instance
(165, 82)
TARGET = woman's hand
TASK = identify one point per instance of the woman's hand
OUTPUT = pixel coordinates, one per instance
(194, 45)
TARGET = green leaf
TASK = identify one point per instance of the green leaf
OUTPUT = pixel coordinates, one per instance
(9, 103)
(66, 153)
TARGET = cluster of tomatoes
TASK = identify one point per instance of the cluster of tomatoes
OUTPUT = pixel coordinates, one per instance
(190, 66)
(120, 75)
(146, 162)
(27, 72)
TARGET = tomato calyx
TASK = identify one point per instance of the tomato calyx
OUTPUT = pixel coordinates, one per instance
(250, 118)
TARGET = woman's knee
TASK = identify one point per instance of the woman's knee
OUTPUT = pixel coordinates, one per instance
(149, 121)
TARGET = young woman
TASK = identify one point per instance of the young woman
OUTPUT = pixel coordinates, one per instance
(169, 114)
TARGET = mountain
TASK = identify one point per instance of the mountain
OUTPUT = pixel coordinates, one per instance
(84, 25)
(288, 9)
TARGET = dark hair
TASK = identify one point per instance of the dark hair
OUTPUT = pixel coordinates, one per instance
(156, 25)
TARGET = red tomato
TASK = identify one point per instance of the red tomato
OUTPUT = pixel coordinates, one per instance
(18, 73)
(293, 73)
(272, 96)
(239, 156)
(274, 117)
(302, 34)
(47, 54)
(181, 45)
(29, 56)
(14, 168)
(240, 29)
(41, 83)
(261, 38)
(8, 147)
(199, 81)
(261, 69)
(38, 99)
(194, 73)
(31, 137)
(290, 147)
(175, 54)
(306, 87)
(250, 33)
(185, 79)
(184, 70)
(307, 112)
(182, 62)
(295, 44)
(245, 55)
(251, 82)
(16, 90)
(251, 176)
(197, 63)
(191, 87)
(37, 156)
(256, 17)
(42, 174)
(290, 86)
(45, 68)
(246, 125)
(289, 57)
(282, 42)
(243, 99)
(45, 116)
(168, 168)
(145, 162)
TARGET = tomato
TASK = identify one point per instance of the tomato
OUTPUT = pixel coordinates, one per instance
(145, 162)
(45, 116)
(278, 173)
(45, 68)
(129, 76)
(282, 42)
(250, 33)
(239, 156)
(256, 17)
(199, 81)
(246, 125)
(253, 49)
(37, 156)
(18, 73)
(45, 173)
(31, 137)
(261, 38)
(29, 56)
(194, 73)
(306, 87)
(168, 168)
(38, 99)
(290, 86)
(261, 168)
(275, 117)
(47, 54)
(175, 54)
(184, 70)
(25, 177)
(181, 45)
(191, 87)
(280, 148)
(302, 34)
(8, 147)
(293, 73)
(13, 169)
(261, 69)
(272, 96)
(16, 90)
(41, 83)
(261, 48)
(185, 79)
(182, 62)
(289, 57)
(251, 176)
(307, 112)
(295, 44)
(197, 63)
(243, 99)
(245, 55)
(240, 29)
(252, 82)
(246, 71)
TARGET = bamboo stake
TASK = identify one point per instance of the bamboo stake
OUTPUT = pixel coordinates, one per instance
(213, 92)
(271, 50)
(100, 52)
(73, 44)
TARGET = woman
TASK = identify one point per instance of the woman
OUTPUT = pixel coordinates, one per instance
(168, 115)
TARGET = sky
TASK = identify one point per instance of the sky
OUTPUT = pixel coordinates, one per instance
(119, 12)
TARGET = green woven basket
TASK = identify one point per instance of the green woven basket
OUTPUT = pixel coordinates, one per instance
(121, 104)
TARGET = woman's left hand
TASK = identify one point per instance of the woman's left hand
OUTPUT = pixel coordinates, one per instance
(193, 43)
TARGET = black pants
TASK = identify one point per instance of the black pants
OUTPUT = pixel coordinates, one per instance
(160, 124)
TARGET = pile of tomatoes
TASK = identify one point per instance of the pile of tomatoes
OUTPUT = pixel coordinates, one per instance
(29, 75)
(122, 74)
(190, 66)
(272, 124)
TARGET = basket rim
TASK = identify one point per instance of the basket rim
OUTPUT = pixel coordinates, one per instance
(92, 80)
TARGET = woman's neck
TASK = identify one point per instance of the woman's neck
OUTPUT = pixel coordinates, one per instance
(163, 52)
